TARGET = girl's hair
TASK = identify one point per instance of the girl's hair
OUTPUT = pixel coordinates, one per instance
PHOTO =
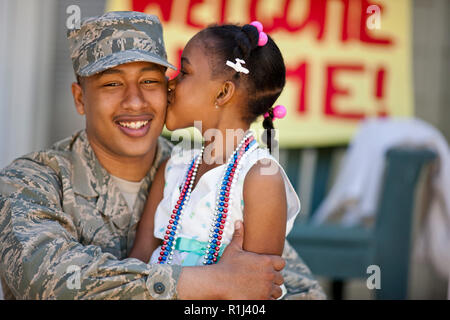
(267, 72)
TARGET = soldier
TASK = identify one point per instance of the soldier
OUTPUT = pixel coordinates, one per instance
(68, 214)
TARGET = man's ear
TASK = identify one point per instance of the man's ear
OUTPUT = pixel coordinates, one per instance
(78, 99)
(226, 93)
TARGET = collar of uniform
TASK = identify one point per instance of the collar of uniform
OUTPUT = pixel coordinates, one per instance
(163, 150)
(88, 175)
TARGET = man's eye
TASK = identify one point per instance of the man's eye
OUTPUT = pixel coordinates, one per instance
(149, 81)
(112, 84)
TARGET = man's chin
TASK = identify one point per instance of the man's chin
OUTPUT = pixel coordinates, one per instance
(129, 152)
(119, 146)
(135, 147)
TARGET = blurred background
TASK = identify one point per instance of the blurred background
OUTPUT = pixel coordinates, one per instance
(352, 67)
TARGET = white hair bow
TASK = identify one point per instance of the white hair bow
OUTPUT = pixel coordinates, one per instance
(237, 66)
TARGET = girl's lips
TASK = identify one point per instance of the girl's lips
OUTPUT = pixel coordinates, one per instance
(135, 133)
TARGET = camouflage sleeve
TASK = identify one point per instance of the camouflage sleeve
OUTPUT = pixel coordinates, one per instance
(41, 258)
(299, 281)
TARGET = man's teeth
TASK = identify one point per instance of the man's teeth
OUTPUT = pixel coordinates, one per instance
(134, 124)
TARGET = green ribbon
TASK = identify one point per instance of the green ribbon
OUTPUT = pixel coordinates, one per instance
(195, 249)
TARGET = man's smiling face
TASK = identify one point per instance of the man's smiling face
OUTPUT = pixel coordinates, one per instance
(125, 108)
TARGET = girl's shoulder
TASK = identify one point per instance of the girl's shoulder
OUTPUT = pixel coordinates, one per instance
(265, 168)
(261, 159)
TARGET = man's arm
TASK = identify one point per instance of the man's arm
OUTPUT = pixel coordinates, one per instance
(299, 281)
(41, 256)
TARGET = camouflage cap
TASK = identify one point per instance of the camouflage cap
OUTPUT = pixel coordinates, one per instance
(115, 38)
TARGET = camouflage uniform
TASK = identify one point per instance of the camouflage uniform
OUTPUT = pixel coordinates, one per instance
(61, 215)
(60, 208)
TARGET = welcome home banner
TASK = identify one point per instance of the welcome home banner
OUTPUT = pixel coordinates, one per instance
(346, 59)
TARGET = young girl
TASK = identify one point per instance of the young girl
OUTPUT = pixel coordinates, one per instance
(229, 77)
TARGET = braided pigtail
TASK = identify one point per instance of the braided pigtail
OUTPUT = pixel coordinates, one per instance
(267, 136)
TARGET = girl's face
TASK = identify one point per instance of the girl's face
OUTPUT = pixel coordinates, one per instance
(193, 93)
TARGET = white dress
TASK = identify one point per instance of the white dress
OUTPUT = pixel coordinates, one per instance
(195, 222)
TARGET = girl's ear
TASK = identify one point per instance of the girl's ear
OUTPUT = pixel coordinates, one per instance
(226, 93)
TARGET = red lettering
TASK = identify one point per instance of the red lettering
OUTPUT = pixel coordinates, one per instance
(223, 11)
(332, 90)
(353, 27)
(347, 24)
(164, 5)
(300, 76)
(172, 73)
(189, 20)
(315, 18)
(380, 91)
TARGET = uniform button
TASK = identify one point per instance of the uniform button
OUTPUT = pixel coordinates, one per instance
(159, 287)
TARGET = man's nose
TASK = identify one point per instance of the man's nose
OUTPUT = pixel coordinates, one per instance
(134, 99)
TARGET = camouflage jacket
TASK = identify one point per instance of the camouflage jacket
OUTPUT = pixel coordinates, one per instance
(66, 231)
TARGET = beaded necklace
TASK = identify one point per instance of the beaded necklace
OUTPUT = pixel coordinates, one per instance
(223, 203)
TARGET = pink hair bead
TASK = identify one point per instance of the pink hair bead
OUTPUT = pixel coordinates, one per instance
(262, 39)
(279, 112)
(258, 25)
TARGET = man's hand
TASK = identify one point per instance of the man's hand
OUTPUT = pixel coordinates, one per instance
(239, 275)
